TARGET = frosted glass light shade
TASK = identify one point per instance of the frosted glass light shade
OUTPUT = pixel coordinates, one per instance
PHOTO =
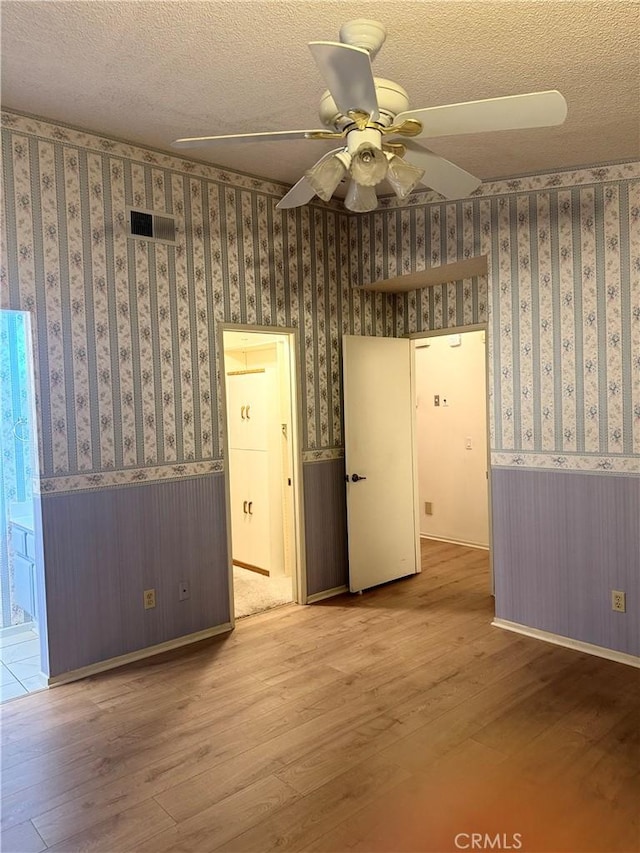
(325, 176)
(360, 199)
(403, 176)
(369, 166)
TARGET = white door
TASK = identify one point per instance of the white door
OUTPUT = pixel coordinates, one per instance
(249, 397)
(253, 532)
(379, 414)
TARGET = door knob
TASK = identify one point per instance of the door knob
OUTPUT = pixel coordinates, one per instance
(355, 478)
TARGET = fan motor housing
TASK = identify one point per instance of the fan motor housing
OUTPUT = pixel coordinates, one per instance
(392, 99)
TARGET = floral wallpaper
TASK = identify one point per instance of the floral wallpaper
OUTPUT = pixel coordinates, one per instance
(126, 329)
(564, 307)
(126, 347)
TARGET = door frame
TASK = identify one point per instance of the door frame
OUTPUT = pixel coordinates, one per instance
(39, 574)
(461, 330)
(299, 575)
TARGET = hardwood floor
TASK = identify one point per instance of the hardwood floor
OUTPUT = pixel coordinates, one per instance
(393, 721)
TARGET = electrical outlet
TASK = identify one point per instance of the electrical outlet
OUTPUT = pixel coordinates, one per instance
(183, 590)
(149, 598)
(618, 601)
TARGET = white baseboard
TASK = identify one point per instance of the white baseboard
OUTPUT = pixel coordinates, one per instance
(150, 651)
(567, 642)
(326, 593)
(455, 542)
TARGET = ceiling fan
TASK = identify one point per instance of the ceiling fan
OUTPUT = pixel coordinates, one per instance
(379, 136)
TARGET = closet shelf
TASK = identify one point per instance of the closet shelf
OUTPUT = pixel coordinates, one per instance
(430, 277)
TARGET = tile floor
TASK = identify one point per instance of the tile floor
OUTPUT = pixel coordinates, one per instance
(19, 663)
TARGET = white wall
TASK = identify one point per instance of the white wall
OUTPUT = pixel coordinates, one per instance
(452, 477)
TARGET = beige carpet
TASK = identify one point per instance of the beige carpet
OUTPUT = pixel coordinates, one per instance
(254, 593)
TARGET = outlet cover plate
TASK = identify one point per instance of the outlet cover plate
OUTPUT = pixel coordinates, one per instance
(618, 601)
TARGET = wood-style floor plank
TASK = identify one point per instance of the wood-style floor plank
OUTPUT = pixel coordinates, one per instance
(23, 838)
(126, 830)
(386, 722)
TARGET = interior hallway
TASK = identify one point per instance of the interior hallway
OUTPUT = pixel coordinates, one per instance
(392, 721)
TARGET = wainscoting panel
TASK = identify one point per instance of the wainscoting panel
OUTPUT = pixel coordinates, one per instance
(104, 547)
(562, 541)
(325, 511)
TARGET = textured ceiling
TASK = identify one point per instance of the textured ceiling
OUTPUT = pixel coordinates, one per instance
(150, 72)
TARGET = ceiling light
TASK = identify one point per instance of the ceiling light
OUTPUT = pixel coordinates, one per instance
(360, 199)
(325, 176)
(369, 165)
(402, 176)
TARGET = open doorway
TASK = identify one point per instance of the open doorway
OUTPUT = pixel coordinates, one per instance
(383, 477)
(452, 437)
(22, 622)
(263, 468)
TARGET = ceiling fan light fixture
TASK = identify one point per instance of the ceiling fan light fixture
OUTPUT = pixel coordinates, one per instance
(369, 165)
(361, 110)
(403, 176)
(360, 199)
(327, 173)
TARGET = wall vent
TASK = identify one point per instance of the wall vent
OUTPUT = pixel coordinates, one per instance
(147, 225)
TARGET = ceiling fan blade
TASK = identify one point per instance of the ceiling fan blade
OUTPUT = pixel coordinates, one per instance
(536, 109)
(347, 72)
(299, 194)
(302, 192)
(442, 176)
(267, 136)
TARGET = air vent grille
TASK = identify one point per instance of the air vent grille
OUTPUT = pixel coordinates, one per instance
(147, 225)
(164, 228)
